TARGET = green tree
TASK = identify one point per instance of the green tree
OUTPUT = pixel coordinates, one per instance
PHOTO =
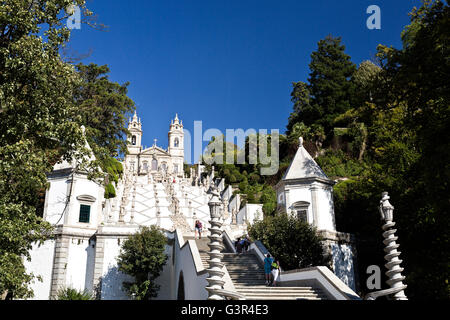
(406, 115)
(301, 98)
(365, 79)
(330, 88)
(417, 78)
(104, 106)
(39, 125)
(293, 242)
(142, 257)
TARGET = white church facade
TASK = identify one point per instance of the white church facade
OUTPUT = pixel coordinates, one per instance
(155, 160)
(154, 190)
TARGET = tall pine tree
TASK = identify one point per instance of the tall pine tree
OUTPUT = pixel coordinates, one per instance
(330, 88)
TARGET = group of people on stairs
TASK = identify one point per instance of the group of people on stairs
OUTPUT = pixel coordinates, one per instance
(242, 245)
(271, 265)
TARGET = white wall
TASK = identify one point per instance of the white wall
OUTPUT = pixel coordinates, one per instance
(112, 288)
(250, 213)
(234, 204)
(324, 203)
(228, 193)
(77, 263)
(57, 197)
(166, 277)
(343, 265)
(56, 200)
(296, 194)
(194, 284)
(41, 264)
(83, 186)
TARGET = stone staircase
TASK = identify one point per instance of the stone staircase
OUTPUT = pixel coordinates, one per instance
(248, 277)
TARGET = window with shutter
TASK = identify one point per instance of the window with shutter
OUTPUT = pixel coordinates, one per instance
(85, 212)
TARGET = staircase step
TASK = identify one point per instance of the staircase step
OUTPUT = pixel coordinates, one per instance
(281, 298)
(279, 295)
(276, 288)
(248, 276)
(270, 291)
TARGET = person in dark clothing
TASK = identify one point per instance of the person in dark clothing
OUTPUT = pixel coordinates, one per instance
(246, 243)
(242, 243)
(268, 260)
(198, 229)
(238, 245)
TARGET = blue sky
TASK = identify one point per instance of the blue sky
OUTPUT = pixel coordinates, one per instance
(231, 63)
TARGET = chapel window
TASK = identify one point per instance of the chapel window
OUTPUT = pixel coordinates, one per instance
(133, 140)
(176, 143)
(301, 209)
(85, 213)
(154, 165)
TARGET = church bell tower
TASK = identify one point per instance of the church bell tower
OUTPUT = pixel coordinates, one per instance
(176, 145)
(135, 136)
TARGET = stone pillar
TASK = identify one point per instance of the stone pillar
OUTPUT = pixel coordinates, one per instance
(98, 265)
(287, 201)
(314, 204)
(394, 272)
(59, 264)
(393, 262)
(71, 199)
(215, 279)
(133, 205)
(121, 214)
(113, 210)
(226, 213)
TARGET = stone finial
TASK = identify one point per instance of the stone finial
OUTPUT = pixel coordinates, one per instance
(386, 208)
(300, 142)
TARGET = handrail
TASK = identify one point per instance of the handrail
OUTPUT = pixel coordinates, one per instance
(229, 294)
(228, 240)
(381, 293)
(334, 286)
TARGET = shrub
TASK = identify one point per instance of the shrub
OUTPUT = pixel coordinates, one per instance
(293, 242)
(73, 294)
(142, 257)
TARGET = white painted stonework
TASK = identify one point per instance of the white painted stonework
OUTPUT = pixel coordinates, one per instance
(250, 213)
(84, 254)
(89, 229)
